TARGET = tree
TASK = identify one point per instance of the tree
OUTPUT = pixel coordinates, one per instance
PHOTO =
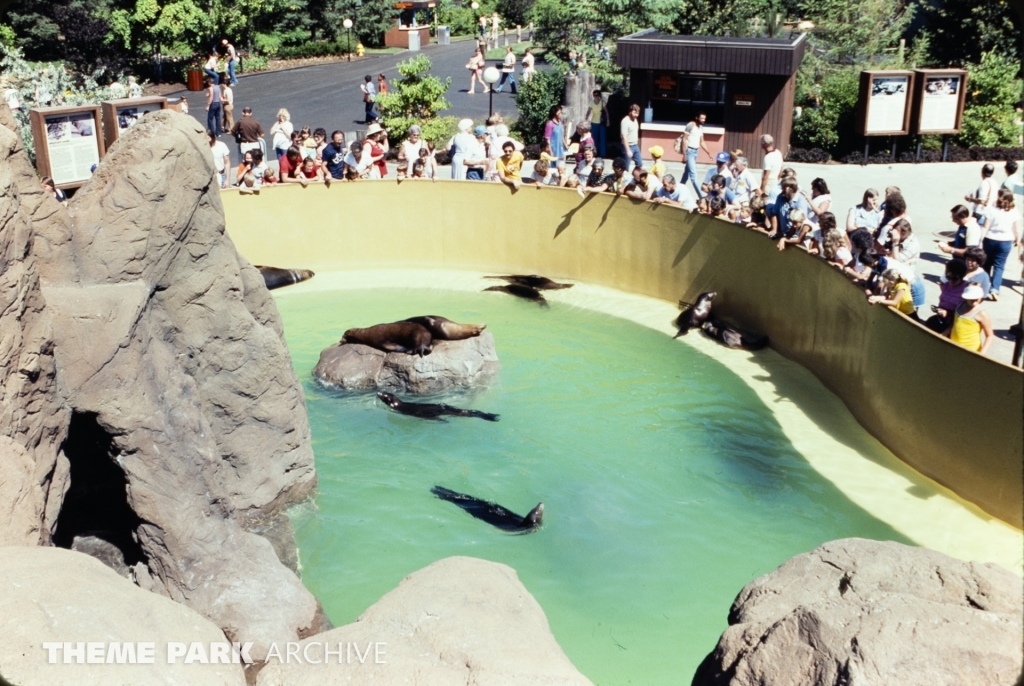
(415, 98)
(515, 12)
(535, 99)
(962, 32)
(562, 25)
(992, 90)
(728, 17)
(866, 32)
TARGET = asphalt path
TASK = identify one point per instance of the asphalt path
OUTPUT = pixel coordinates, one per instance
(328, 95)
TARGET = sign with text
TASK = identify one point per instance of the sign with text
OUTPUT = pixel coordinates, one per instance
(121, 115)
(939, 100)
(68, 143)
(742, 100)
(885, 98)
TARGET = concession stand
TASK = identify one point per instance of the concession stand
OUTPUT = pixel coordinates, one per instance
(407, 33)
(744, 85)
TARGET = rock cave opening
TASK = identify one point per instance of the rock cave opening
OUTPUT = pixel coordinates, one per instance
(96, 504)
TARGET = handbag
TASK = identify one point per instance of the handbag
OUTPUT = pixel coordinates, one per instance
(678, 145)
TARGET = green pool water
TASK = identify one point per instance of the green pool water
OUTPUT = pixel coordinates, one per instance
(668, 484)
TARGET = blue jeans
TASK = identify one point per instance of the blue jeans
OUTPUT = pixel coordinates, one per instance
(214, 75)
(690, 173)
(370, 116)
(996, 253)
(599, 132)
(917, 291)
(213, 118)
(231, 73)
(634, 154)
(506, 76)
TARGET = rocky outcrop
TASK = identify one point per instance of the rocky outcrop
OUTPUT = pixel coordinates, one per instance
(33, 418)
(452, 365)
(51, 594)
(864, 612)
(187, 424)
(459, 621)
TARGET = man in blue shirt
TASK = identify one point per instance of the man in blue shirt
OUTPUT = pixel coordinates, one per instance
(334, 156)
(789, 199)
(721, 167)
(668, 193)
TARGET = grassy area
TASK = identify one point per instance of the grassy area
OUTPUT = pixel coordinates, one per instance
(519, 49)
(384, 51)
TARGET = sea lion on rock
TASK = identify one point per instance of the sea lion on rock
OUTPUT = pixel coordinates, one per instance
(732, 338)
(693, 316)
(431, 411)
(492, 513)
(396, 337)
(520, 291)
(445, 329)
(541, 283)
(278, 278)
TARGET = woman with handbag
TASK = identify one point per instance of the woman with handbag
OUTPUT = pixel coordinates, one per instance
(476, 72)
(369, 96)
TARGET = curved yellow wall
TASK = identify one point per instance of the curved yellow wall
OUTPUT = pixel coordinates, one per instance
(952, 414)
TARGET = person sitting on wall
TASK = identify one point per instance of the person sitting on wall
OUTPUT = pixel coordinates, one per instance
(970, 321)
(951, 290)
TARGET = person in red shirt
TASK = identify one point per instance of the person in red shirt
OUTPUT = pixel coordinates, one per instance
(289, 165)
(375, 148)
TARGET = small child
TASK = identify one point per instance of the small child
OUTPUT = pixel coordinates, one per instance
(428, 161)
(758, 214)
(269, 177)
(403, 170)
(799, 227)
(419, 168)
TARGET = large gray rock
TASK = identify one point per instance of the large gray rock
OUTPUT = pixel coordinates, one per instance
(168, 354)
(32, 415)
(52, 594)
(468, 363)
(459, 621)
(868, 613)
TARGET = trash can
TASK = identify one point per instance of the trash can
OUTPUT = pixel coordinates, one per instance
(444, 35)
(414, 41)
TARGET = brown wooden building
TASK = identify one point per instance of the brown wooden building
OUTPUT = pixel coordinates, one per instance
(744, 85)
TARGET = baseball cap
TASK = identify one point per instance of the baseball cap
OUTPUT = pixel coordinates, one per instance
(656, 151)
(480, 130)
(722, 157)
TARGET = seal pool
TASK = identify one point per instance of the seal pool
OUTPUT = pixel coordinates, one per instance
(672, 471)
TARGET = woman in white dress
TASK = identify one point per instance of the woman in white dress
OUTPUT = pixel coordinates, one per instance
(460, 144)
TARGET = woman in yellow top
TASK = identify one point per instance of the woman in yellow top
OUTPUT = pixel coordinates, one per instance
(897, 293)
(970, 321)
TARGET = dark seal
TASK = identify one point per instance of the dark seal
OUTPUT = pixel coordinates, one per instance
(397, 337)
(540, 283)
(278, 278)
(520, 291)
(733, 338)
(693, 316)
(492, 513)
(445, 329)
(433, 411)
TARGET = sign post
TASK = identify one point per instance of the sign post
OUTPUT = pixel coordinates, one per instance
(121, 115)
(939, 99)
(884, 105)
(68, 143)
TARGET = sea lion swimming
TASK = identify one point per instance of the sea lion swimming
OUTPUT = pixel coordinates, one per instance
(492, 513)
(432, 411)
(540, 283)
(445, 329)
(397, 337)
(732, 338)
(694, 315)
(521, 291)
(278, 278)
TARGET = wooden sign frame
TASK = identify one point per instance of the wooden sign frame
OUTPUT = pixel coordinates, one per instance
(113, 110)
(877, 86)
(920, 110)
(55, 137)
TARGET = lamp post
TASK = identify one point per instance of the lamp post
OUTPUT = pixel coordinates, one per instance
(348, 27)
(491, 76)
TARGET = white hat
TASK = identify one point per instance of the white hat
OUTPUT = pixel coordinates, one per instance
(465, 125)
(373, 128)
(973, 292)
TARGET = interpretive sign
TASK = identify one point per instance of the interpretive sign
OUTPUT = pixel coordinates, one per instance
(121, 115)
(939, 101)
(885, 103)
(68, 143)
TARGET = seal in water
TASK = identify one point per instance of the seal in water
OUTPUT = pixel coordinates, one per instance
(445, 329)
(431, 410)
(694, 315)
(521, 291)
(278, 278)
(541, 283)
(492, 513)
(397, 337)
(732, 338)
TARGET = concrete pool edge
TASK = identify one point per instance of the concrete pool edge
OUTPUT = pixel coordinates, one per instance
(892, 375)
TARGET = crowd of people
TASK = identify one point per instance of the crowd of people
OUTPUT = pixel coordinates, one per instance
(875, 246)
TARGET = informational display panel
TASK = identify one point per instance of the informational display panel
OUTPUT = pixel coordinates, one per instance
(68, 143)
(121, 115)
(939, 100)
(885, 99)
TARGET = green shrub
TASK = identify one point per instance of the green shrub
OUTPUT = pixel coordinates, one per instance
(415, 98)
(992, 90)
(267, 43)
(535, 99)
(320, 48)
(254, 63)
(439, 130)
(829, 110)
(461, 20)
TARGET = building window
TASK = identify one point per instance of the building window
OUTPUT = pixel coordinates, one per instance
(677, 96)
